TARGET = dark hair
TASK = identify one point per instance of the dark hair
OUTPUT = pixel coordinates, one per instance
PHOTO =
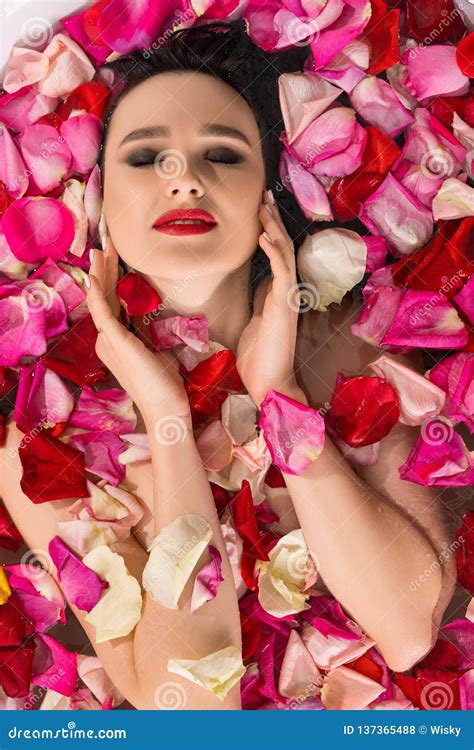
(224, 50)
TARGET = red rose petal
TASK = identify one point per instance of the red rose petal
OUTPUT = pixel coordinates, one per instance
(363, 409)
(15, 670)
(52, 470)
(136, 294)
(10, 537)
(245, 522)
(465, 55)
(15, 627)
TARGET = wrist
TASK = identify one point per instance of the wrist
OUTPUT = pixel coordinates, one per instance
(293, 431)
(291, 390)
(156, 414)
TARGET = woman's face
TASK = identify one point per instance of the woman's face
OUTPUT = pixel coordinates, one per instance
(222, 173)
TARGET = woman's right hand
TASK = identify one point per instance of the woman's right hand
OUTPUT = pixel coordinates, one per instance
(150, 378)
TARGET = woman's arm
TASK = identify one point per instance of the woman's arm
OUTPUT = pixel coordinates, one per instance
(181, 486)
(373, 556)
(137, 663)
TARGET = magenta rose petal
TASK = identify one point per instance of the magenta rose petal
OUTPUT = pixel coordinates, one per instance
(82, 587)
(37, 228)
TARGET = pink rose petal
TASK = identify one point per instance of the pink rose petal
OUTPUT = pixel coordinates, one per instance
(398, 216)
(281, 418)
(345, 689)
(419, 398)
(54, 666)
(82, 134)
(110, 409)
(46, 155)
(207, 580)
(455, 375)
(378, 104)
(426, 319)
(181, 329)
(37, 228)
(13, 171)
(82, 586)
(303, 98)
(432, 70)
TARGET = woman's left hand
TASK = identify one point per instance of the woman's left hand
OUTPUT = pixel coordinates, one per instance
(266, 349)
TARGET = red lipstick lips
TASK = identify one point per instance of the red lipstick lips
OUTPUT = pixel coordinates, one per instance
(185, 221)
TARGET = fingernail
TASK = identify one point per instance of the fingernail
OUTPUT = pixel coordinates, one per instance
(267, 237)
(87, 281)
(271, 196)
(91, 255)
(269, 209)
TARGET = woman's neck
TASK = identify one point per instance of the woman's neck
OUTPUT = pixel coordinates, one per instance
(224, 302)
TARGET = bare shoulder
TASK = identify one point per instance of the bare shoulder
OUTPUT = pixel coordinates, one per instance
(326, 345)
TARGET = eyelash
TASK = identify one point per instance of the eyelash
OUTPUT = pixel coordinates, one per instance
(147, 158)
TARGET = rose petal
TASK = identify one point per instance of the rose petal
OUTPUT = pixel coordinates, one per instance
(120, 607)
(281, 418)
(207, 580)
(81, 586)
(218, 672)
(174, 554)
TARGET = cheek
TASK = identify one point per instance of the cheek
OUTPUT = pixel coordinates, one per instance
(125, 208)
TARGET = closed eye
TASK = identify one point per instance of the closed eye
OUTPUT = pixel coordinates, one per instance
(147, 157)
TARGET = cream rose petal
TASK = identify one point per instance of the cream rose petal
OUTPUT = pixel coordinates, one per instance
(218, 672)
(284, 580)
(173, 556)
(120, 606)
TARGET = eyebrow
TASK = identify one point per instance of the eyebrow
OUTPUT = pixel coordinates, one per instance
(157, 131)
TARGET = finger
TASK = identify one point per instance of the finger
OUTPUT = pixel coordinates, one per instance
(275, 224)
(279, 235)
(283, 276)
(112, 273)
(98, 266)
(105, 321)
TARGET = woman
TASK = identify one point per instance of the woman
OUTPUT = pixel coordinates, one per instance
(187, 135)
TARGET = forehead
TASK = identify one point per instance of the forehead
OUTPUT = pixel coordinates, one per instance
(184, 100)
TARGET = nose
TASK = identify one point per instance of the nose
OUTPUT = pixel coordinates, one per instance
(179, 176)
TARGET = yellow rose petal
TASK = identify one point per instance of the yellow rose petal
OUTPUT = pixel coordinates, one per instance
(5, 590)
(217, 672)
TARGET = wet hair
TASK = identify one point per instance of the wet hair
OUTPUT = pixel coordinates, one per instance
(225, 50)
